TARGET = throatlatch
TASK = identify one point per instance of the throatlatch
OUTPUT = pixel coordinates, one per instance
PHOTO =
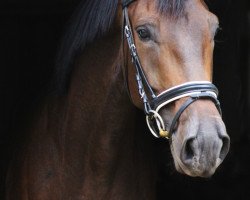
(153, 104)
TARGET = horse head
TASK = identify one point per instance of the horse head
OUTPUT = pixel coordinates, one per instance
(171, 43)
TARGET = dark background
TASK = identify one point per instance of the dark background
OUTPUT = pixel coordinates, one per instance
(29, 35)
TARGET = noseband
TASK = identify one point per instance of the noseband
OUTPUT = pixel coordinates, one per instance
(194, 90)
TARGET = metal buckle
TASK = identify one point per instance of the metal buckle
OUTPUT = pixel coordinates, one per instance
(154, 119)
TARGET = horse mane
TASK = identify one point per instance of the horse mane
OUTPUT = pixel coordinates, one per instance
(90, 21)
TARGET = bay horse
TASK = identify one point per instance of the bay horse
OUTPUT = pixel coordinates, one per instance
(118, 59)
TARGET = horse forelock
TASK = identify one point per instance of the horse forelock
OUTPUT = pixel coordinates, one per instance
(173, 8)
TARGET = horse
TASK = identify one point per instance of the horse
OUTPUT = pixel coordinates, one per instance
(118, 62)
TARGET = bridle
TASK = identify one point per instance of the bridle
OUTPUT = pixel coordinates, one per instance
(153, 104)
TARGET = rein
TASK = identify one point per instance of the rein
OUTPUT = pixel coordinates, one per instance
(154, 103)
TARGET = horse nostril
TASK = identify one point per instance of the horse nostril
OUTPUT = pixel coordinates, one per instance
(189, 149)
(225, 147)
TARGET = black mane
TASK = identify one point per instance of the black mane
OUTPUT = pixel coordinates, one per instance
(91, 20)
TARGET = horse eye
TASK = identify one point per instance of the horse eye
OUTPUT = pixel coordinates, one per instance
(144, 34)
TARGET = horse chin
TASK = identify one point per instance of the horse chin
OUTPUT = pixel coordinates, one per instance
(194, 172)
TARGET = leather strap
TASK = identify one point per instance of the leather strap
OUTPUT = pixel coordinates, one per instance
(178, 91)
(184, 106)
(140, 75)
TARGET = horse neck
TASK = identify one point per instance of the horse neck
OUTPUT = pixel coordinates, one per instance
(91, 144)
(104, 123)
(97, 89)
